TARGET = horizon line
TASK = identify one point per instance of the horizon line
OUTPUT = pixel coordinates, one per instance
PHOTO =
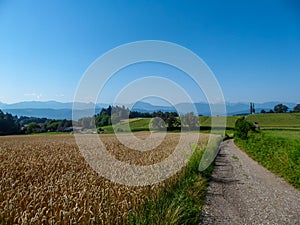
(110, 103)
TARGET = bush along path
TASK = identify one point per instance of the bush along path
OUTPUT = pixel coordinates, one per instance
(243, 192)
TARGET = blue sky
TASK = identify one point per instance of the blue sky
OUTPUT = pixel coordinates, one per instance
(253, 47)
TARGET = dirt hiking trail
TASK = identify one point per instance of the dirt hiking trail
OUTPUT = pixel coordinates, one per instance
(243, 192)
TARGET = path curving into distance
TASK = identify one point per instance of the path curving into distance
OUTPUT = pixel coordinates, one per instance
(243, 192)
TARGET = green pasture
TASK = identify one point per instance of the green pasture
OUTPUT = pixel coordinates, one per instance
(277, 123)
(276, 120)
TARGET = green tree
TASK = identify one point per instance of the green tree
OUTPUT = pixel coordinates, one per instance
(173, 121)
(163, 119)
(280, 108)
(252, 108)
(190, 120)
(115, 118)
(32, 127)
(297, 108)
(8, 124)
(159, 114)
(53, 126)
(242, 127)
(86, 122)
(158, 123)
(103, 118)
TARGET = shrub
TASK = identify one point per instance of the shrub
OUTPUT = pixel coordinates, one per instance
(242, 127)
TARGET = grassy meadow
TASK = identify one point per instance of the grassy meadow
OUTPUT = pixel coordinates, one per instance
(206, 121)
(144, 124)
(279, 152)
(276, 120)
(287, 134)
(269, 121)
(285, 125)
(277, 145)
(136, 124)
(265, 121)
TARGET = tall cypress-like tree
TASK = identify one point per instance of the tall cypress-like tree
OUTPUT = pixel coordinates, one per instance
(252, 108)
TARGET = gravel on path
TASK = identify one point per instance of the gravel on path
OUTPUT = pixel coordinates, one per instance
(241, 191)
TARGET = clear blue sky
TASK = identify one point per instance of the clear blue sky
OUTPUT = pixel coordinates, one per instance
(253, 47)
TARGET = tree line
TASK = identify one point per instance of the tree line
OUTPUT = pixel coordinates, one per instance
(107, 116)
(26, 125)
(161, 120)
(281, 108)
(10, 124)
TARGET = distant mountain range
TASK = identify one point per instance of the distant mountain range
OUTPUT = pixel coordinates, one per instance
(60, 110)
(50, 109)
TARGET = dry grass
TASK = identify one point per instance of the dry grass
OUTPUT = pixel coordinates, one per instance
(45, 180)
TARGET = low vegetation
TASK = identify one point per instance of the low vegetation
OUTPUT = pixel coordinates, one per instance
(276, 120)
(136, 124)
(179, 204)
(289, 134)
(281, 121)
(242, 128)
(182, 202)
(205, 121)
(275, 151)
(276, 146)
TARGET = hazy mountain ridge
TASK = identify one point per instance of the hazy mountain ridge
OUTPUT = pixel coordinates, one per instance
(60, 110)
(47, 105)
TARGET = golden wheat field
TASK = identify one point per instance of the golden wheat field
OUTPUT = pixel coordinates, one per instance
(46, 180)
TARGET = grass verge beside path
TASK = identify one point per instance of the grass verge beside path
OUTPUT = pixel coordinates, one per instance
(280, 155)
(181, 203)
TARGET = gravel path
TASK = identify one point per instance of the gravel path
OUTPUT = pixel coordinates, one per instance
(243, 192)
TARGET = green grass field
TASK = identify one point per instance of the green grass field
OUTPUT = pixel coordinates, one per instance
(277, 146)
(284, 133)
(272, 121)
(206, 121)
(136, 124)
(276, 120)
(142, 124)
(278, 151)
(265, 121)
